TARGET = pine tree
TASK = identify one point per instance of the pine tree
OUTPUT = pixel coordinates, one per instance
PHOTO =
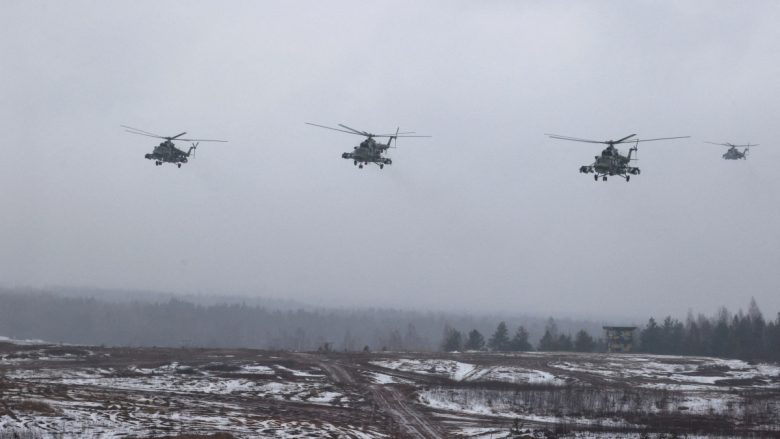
(671, 338)
(453, 340)
(773, 339)
(499, 341)
(475, 341)
(757, 331)
(583, 342)
(719, 342)
(651, 337)
(520, 341)
(549, 341)
(564, 343)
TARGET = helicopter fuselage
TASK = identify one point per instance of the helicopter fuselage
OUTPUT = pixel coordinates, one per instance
(611, 163)
(167, 152)
(734, 154)
(368, 151)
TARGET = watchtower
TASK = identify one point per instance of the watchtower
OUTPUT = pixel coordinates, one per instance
(620, 338)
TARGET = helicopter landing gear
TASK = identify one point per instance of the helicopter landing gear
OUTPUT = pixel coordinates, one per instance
(360, 166)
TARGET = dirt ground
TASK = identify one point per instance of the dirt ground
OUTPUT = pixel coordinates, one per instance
(77, 391)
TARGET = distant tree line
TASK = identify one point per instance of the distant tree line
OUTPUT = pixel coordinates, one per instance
(500, 341)
(179, 323)
(746, 336)
(174, 323)
(148, 318)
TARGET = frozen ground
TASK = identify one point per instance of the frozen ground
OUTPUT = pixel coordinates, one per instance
(74, 391)
(459, 371)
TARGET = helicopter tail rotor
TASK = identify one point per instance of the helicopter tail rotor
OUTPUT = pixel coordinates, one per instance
(395, 137)
(192, 149)
(635, 150)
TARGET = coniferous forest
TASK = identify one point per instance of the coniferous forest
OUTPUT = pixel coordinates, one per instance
(174, 322)
(747, 336)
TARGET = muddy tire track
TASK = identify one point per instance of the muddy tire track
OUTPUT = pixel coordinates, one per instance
(413, 423)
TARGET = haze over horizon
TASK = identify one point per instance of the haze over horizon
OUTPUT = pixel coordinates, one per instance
(486, 215)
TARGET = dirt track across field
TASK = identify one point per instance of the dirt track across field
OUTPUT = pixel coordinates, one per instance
(48, 390)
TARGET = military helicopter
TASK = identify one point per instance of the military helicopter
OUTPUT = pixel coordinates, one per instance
(369, 150)
(733, 153)
(611, 162)
(167, 152)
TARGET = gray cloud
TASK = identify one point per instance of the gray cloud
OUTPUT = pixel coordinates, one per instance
(488, 214)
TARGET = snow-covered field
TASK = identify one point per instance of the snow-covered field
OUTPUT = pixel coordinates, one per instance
(45, 396)
(52, 391)
(173, 379)
(671, 372)
(654, 372)
(600, 390)
(459, 371)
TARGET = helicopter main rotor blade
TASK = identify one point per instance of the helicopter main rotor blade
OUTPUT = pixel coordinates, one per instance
(363, 133)
(662, 138)
(132, 130)
(733, 145)
(147, 135)
(575, 139)
(137, 131)
(393, 135)
(356, 131)
(202, 140)
(624, 138)
(334, 129)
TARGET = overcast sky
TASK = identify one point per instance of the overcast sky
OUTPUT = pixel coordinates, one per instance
(488, 214)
